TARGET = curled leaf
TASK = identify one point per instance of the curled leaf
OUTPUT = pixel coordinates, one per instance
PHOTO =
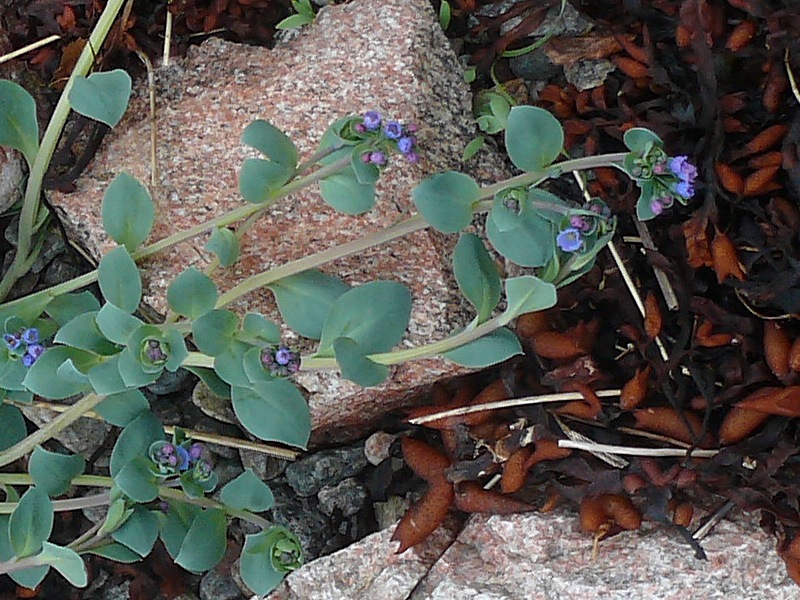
(426, 462)
(784, 402)
(776, 348)
(652, 316)
(572, 343)
(515, 470)
(725, 261)
(424, 517)
(472, 498)
(739, 423)
(634, 391)
(684, 426)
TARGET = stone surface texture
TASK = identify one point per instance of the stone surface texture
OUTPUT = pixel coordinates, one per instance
(11, 175)
(546, 557)
(391, 56)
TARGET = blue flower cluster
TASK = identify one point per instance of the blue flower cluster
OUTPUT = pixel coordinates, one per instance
(25, 344)
(171, 459)
(577, 229)
(400, 137)
(280, 361)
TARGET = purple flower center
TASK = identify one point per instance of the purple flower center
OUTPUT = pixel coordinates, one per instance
(372, 120)
(405, 144)
(30, 336)
(154, 351)
(393, 130)
(12, 341)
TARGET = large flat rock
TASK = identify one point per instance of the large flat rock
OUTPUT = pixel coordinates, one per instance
(390, 56)
(546, 557)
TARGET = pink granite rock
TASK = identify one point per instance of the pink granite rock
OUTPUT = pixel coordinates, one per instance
(546, 557)
(11, 176)
(391, 56)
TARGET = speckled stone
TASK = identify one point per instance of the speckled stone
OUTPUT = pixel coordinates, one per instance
(391, 56)
(11, 176)
(546, 557)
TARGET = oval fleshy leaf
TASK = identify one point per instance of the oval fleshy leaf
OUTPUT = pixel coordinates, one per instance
(446, 199)
(127, 211)
(102, 96)
(19, 128)
(534, 138)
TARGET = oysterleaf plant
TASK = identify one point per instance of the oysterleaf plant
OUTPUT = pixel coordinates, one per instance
(63, 342)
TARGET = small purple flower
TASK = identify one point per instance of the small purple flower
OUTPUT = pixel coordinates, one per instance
(393, 130)
(283, 356)
(360, 128)
(656, 206)
(36, 350)
(412, 157)
(12, 341)
(405, 144)
(372, 120)
(377, 158)
(365, 157)
(512, 204)
(155, 352)
(28, 360)
(569, 239)
(30, 336)
(195, 452)
(684, 189)
(683, 169)
(167, 450)
(183, 457)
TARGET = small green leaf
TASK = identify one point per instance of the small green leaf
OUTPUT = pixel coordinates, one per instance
(67, 562)
(305, 299)
(212, 381)
(356, 366)
(343, 192)
(132, 372)
(214, 331)
(225, 246)
(135, 441)
(122, 408)
(444, 15)
(205, 542)
(476, 275)
(528, 294)
(64, 308)
(127, 211)
(52, 472)
(534, 138)
(31, 523)
(271, 142)
(42, 378)
(528, 245)
(137, 480)
(473, 148)
(31, 577)
(192, 293)
(256, 326)
(492, 348)
(12, 426)
(644, 210)
(139, 532)
(445, 200)
(102, 96)
(374, 315)
(119, 280)
(247, 492)
(294, 22)
(82, 333)
(105, 377)
(175, 524)
(229, 365)
(116, 552)
(273, 411)
(255, 564)
(259, 179)
(19, 128)
(637, 139)
(117, 325)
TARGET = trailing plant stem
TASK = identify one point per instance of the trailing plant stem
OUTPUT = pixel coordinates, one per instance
(47, 431)
(30, 204)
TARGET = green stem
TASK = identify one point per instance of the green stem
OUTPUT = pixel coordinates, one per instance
(47, 431)
(6, 508)
(173, 494)
(30, 204)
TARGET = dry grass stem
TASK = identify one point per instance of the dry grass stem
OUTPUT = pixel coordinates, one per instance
(16, 53)
(632, 451)
(510, 403)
